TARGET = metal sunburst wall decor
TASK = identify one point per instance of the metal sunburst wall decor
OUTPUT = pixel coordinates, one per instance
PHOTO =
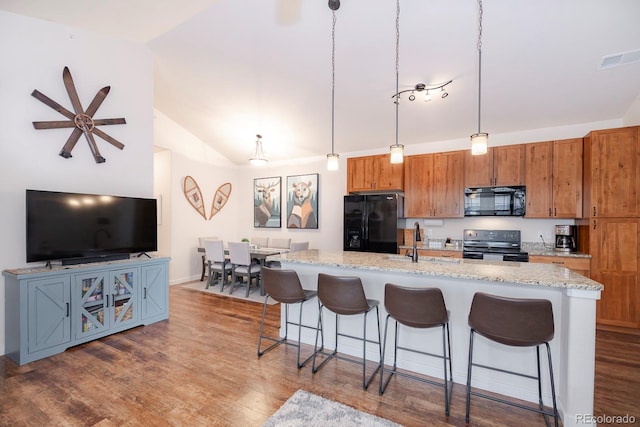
(82, 120)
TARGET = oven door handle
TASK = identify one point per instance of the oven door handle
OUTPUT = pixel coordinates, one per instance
(472, 254)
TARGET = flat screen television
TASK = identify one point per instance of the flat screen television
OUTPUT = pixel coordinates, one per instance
(78, 228)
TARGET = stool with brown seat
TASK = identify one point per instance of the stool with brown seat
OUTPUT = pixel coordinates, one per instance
(344, 296)
(284, 287)
(513, 322)
(417, 308)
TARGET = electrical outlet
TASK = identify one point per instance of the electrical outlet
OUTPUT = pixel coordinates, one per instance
(429, 232)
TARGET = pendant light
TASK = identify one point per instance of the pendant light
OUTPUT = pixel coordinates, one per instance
(397, 150)
(333, 158)
(479, 140)
(258, 158)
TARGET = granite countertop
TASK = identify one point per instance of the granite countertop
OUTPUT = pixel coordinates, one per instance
(533, 274)
(532, 248)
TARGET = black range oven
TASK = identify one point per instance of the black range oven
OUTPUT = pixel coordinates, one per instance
(495, 245)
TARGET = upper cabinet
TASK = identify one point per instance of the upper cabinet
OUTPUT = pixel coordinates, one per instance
(611, 169)
(434, 185)
(374, 173)
(553, 177)
(501, 166)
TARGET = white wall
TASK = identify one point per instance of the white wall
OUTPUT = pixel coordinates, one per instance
(632, 117)
(34, 54)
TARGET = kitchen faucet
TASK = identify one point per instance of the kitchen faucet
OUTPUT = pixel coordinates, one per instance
(416, 239)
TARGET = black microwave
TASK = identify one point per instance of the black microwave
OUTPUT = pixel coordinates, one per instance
(494, 201)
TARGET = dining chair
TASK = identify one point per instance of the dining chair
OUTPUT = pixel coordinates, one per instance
(217, 261)
(298, 246)
(242, 265)
(279, 243)
(204, 258)
(261, 242)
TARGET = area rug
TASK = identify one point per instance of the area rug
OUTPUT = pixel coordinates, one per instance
(238, 293)
(307, 409)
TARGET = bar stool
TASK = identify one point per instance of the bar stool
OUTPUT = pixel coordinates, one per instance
(417, 308)
(513, 322)
(284, 287)
(344, 296)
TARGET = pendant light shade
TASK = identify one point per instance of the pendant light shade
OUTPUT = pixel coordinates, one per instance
(258, 158)
(397, 153)
(333, 161)
(479, 143)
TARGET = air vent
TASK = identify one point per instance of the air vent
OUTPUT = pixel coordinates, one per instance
(624, 58)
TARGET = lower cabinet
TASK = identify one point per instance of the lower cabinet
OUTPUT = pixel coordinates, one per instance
(108, 301)
(49, 313)
(50, 310)
(579, 265)
(440, 253)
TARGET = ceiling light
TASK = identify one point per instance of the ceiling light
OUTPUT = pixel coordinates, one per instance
(333, 158)
(258, 158)
(397, 150)
(427, 88)
(479, 140)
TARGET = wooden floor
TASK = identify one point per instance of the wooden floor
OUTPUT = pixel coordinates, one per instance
(200, 368)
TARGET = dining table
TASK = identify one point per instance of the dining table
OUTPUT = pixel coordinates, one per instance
(259, 253)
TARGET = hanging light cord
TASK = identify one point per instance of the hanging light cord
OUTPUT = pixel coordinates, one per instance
(479, 61)
(333, 77)
(397, 102)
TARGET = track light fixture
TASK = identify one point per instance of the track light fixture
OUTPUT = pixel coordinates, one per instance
(428, 89)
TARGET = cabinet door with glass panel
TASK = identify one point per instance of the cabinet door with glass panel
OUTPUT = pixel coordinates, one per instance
(108, 300)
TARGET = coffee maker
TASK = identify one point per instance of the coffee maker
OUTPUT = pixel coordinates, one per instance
(566, 238)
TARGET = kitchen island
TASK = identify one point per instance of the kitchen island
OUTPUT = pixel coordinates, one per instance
(574, 304)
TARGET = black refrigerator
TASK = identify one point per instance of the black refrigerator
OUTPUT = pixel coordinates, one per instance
(371, 223)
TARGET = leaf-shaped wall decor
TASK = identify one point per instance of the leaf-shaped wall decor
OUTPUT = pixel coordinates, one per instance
(194, 195)
(220, 198)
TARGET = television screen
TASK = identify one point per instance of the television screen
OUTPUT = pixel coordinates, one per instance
(62, 226)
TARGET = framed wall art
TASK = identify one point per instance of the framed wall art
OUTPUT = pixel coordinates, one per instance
(302, 201)
(266, 202)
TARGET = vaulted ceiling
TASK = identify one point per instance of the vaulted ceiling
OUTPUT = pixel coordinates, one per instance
(226, 70)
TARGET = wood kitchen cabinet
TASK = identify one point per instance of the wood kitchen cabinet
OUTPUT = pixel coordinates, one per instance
(439, 253)
(612, 173)
(434, 185)
(579, 265)
(501, 166)
(374, 173)
(610, 230)
(614, 263)
(553, 177)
